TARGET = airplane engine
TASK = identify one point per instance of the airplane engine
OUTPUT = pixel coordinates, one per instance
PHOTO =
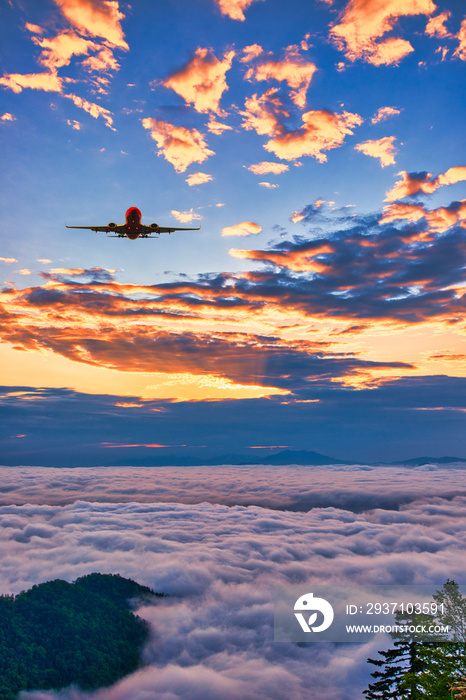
(154, 227)
(112, 226)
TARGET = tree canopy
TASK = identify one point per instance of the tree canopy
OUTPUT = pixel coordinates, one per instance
(419, 667)
(58, 633)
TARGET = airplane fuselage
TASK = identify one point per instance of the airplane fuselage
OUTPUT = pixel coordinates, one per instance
(133, 223)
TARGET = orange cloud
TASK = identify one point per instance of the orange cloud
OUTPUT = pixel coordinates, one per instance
(103, 62)
(443, 50)
(215, 364)
(267, 167)
(390, 51)
(436, 26)
(269, 185)
(217, 128)
(234, 8)
(461, 36)
(321, 131)
(244, 228)
(250, 52)
(77, 271)
(262, 113)
(297, 260)
(363, 22)
(413, 183)
(128, 404)
(93, 109)
(59, 50)
(293, 70)
(74, 124)
(142, 444)
(7, 117)
(384, 113)
(50, 82)
(451, 176)
(215, 387)
(34, 28)
(441, 219)
(97, 18)
(202, 81)
(185, 216)
(8, 260)
(408, 186)
(180, 146)
(198, 179)
(395, 212)
(381, 148)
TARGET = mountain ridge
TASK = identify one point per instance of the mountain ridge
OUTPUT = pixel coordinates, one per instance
(282, 458)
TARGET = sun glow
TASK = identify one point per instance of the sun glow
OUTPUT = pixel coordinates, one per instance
(44, 368)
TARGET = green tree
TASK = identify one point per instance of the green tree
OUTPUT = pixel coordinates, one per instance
(423, 666)
(440, 670)
(444, 665)
(452, 610)
(401, 666)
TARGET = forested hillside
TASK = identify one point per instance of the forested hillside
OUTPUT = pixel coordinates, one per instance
(58, 633)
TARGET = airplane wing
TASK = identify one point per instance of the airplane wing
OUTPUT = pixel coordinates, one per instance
(166, 229)
(104, 229)
(146, 231)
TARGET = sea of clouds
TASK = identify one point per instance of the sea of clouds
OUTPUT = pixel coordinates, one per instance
(218, 540)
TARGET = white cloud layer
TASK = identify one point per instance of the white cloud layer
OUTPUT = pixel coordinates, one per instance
(296, 488)
(214, 636)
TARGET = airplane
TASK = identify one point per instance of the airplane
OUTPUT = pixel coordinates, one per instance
(132, 228)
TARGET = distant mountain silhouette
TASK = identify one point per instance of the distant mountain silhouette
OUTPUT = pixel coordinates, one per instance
(177, 461)
(419, 461)
(284, 457)
(303, 457)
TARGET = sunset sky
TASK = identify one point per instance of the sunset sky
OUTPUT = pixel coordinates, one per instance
(319, 144)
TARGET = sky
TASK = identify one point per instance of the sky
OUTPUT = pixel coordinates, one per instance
(319, 145)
